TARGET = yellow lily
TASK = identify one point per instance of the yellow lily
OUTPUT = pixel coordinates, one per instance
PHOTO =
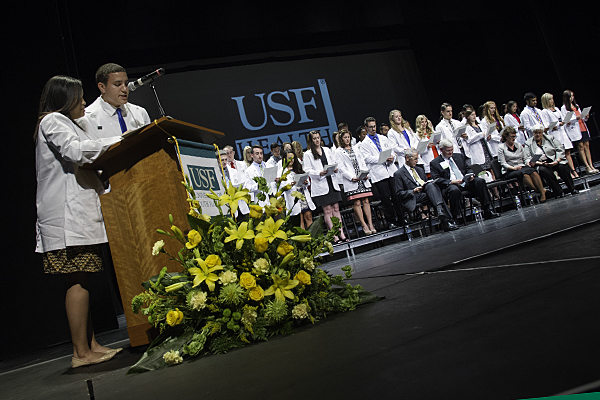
(281, 288)
(194, 238)
(231, 197)
(276, 207)
(270, 230)
(204, 274)
(301, 238)
(239, 234)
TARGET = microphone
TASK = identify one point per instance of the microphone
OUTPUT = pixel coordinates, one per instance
(144, 80)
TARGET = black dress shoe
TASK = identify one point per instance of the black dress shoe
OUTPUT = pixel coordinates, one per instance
(450, 226)
(490, 214)
(575, 191)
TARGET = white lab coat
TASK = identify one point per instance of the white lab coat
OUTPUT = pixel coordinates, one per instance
(378, 172)
(347, 168)
(549, 116)
(509, 120)
(494, 141)
(572, 128)
(68, 206)
(318, 183)
(448, 133)
(103, 120)
(529, 119)
(475, 146)
(401, 144)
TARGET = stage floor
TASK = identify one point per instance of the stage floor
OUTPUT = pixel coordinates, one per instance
(504, 309)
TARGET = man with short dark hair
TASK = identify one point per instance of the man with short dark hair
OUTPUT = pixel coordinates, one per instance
(255, 169)
(111, 114)
(384, 128)
(531, 115)
(275, 158)
(381, 174)
(232, 162)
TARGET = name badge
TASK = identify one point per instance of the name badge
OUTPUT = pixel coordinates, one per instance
(445, 164)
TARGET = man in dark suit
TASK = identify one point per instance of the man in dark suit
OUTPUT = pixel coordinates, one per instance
(450, 169)
(410, 187)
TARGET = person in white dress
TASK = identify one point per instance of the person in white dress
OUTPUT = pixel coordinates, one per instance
(550, 114)
(69, 226)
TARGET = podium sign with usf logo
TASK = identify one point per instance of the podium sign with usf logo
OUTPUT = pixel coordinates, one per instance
(203, 169)
(285, 116)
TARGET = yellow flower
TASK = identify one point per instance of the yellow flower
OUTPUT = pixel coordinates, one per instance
(256, 293)
(194, 239)
(276, 207)
(239, 234)
(301, 238)
(303, 277)
(256, 211)
(247, 281)
(204, 217)
(261, 244)
(174, 317)
(204, 274)
(212, 261)
(281, 288)
(231, 197)
(284, 248)
(270, 230)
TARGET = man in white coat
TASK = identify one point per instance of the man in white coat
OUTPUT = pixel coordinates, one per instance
(381, 174)
(531, 115)
(232, 176)
(111, 114)
(232, 162)
(447, 126)
(255, 169)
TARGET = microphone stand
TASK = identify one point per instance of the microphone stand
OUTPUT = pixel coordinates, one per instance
(160, 108)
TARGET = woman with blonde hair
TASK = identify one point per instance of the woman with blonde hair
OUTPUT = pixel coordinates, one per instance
(298, 151)
(552, 114)
(401, 135)
(491, 116)
(248, 155)
(424, 132)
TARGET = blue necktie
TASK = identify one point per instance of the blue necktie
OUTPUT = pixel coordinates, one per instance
(121, 121)
(406, 137)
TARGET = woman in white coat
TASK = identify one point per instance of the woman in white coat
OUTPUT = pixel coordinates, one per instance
(324, 190)
(578, 131)
(477, 142)
(491, 117)
(552, 114)
(512, 118)
(303, 207)
(70, 228)
(351, 163)
(424, 132)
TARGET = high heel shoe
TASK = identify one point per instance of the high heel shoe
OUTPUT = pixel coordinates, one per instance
(366, 231)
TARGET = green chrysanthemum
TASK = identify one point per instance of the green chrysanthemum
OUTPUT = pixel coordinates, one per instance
(231, 294)
(276, 310)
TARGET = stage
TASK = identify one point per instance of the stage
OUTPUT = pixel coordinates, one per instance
(504, 309)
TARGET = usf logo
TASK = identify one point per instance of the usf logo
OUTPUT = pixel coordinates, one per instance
(203, 178)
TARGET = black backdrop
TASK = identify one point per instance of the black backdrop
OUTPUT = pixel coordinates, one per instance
(374, 56)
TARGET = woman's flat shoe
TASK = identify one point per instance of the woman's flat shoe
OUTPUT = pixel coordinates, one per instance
(116, 351)
(76, 362)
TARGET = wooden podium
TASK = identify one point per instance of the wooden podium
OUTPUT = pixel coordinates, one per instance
(145, 178)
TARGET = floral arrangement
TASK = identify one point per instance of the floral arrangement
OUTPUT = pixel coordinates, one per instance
(241, 282)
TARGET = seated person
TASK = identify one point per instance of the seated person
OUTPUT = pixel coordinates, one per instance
(450, 168)
(410, 187)
(552, 159)
(511, 158)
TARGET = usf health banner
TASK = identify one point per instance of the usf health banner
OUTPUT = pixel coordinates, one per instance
(201, 166)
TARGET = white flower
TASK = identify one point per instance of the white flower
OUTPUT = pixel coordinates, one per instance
(300, 311)
(249, 317)
(157, 247)
(198, 300)
(262, 265)
(227, 277)
(307, 263)
(172, 357)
